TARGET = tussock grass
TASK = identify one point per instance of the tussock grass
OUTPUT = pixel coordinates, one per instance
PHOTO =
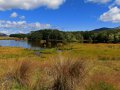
(61, 74)
(20, 73)
(67, 74)
(82, 67)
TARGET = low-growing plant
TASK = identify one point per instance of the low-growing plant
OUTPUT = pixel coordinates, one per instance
(101, 86)
(20, 75)
(67, 74)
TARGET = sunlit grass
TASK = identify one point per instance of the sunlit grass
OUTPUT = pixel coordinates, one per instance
(6, 38)
(97, 51)
(102, 66)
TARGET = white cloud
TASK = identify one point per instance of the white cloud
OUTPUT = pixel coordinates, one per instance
(14, 15)
(29, 4)
(21, 26)
(113, 15)
(117, 2)
(22, 17)
(99, 1)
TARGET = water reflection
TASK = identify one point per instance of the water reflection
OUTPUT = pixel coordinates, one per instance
(43, 44)
(21, 43)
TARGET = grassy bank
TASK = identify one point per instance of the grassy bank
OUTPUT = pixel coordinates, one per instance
(7, 38)
(71, 67)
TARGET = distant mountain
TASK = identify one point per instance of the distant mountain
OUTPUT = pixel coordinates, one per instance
(2, 34)
(117, 27)
(103, 29)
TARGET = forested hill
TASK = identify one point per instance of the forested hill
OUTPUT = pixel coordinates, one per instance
(102, 35)
(103, 29)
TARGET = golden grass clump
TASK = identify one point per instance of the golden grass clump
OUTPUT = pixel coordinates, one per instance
(21, 73)
(67, 74)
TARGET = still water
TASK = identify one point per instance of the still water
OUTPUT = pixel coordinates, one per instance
(21, 43)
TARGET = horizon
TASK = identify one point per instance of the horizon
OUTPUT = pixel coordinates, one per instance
(65, 15)
(59, 30)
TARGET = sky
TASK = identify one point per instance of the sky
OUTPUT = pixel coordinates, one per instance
(23, 16)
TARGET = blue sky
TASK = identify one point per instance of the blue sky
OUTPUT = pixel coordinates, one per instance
(23, 16)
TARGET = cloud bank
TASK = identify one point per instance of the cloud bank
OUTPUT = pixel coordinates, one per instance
(99, 1)
(9, 27)
(112, 15)
(29, 4)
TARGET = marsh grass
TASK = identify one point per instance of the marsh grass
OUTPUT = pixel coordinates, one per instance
(20, 74)
(101, 85)
(78, 68)
(68, 73)
(6, 38)
(60, 74)
(65, 75)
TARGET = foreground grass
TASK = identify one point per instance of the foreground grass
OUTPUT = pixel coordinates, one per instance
(72, 67)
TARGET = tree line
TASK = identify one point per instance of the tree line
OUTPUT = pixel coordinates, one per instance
(100, 36)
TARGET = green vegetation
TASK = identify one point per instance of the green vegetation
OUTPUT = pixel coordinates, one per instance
(19, 35)
(70, 65)
(73, 66)
(103, 35)
(101, 86)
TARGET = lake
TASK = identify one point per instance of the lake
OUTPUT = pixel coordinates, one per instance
(20, 43)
